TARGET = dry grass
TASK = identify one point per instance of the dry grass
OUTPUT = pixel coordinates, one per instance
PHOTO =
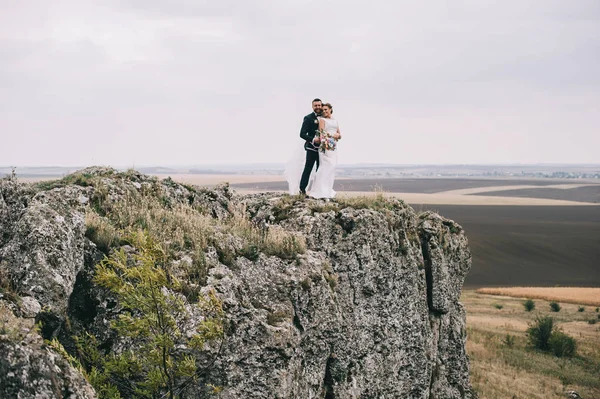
(502, 371)
(183, 228)
(578, 295)
(178, 227)
(100, 230)
(377, 200)
(211, 180)
(271, 239)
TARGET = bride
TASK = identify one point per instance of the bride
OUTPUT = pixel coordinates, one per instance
(322, 186)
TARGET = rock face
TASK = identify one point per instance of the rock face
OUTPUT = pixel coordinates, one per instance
(29, 369)
(45, 250)
(370, 310)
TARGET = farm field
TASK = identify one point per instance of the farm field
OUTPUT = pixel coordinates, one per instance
(459, 191)
(425, 186)
(502, 370)
(580, 295)
(529, 245)
(580, 194)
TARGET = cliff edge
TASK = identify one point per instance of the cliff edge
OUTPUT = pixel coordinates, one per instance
(353, 298)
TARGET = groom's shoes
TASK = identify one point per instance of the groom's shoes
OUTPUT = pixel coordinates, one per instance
(302, 194)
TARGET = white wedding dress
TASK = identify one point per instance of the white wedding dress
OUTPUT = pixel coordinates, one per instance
(322, 186)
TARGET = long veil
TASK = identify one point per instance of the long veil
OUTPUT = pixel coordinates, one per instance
(294, 168)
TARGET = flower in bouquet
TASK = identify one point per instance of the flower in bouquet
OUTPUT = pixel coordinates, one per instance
(328, 142)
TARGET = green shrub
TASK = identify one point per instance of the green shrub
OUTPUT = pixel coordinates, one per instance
(597, 310)
(153, 310)
(250, 252)
(581, 309)
(542, 336)
(509, 340)
(498, 306)
(539, 333)
(592, 321)
(562, 345)
(529, 305)
(555, 307)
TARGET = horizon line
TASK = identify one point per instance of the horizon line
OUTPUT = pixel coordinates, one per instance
(279, 164)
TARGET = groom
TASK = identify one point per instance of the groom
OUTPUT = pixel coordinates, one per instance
(310, 125)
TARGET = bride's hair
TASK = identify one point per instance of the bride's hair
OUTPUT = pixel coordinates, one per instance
(329, 106)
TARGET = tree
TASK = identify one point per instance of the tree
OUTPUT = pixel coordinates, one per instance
(165, 330)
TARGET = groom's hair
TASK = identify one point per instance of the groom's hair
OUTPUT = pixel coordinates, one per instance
(317, 99)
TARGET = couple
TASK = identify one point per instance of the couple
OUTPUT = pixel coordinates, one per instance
(299, 171)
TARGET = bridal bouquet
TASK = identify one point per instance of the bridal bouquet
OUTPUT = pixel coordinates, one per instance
(328, 143)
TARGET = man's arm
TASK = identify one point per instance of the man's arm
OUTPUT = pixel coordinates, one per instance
(305, 129)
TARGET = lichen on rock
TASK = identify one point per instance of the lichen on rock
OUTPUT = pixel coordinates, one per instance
(346, 299)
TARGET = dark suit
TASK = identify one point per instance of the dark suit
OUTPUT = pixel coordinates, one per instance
(309, 128)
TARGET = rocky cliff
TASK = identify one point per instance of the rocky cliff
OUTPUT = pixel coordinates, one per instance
(354, 298)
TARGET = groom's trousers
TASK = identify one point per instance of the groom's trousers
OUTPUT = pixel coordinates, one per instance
(312, 157)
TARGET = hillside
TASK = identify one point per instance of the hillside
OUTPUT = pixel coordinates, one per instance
(142, 287)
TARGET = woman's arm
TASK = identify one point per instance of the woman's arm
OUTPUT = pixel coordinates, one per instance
(337, 135)
(317, 139)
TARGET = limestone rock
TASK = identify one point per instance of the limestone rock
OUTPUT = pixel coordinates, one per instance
(45, 250)
(29, 369)
(351, 318)
(371, 310)
(14, 197)
(30, 307)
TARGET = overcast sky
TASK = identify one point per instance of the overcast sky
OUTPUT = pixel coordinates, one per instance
(149, 82)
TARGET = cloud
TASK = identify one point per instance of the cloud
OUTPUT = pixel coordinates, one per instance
(157, 82)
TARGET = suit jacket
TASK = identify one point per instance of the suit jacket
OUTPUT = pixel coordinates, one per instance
(309, 128)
